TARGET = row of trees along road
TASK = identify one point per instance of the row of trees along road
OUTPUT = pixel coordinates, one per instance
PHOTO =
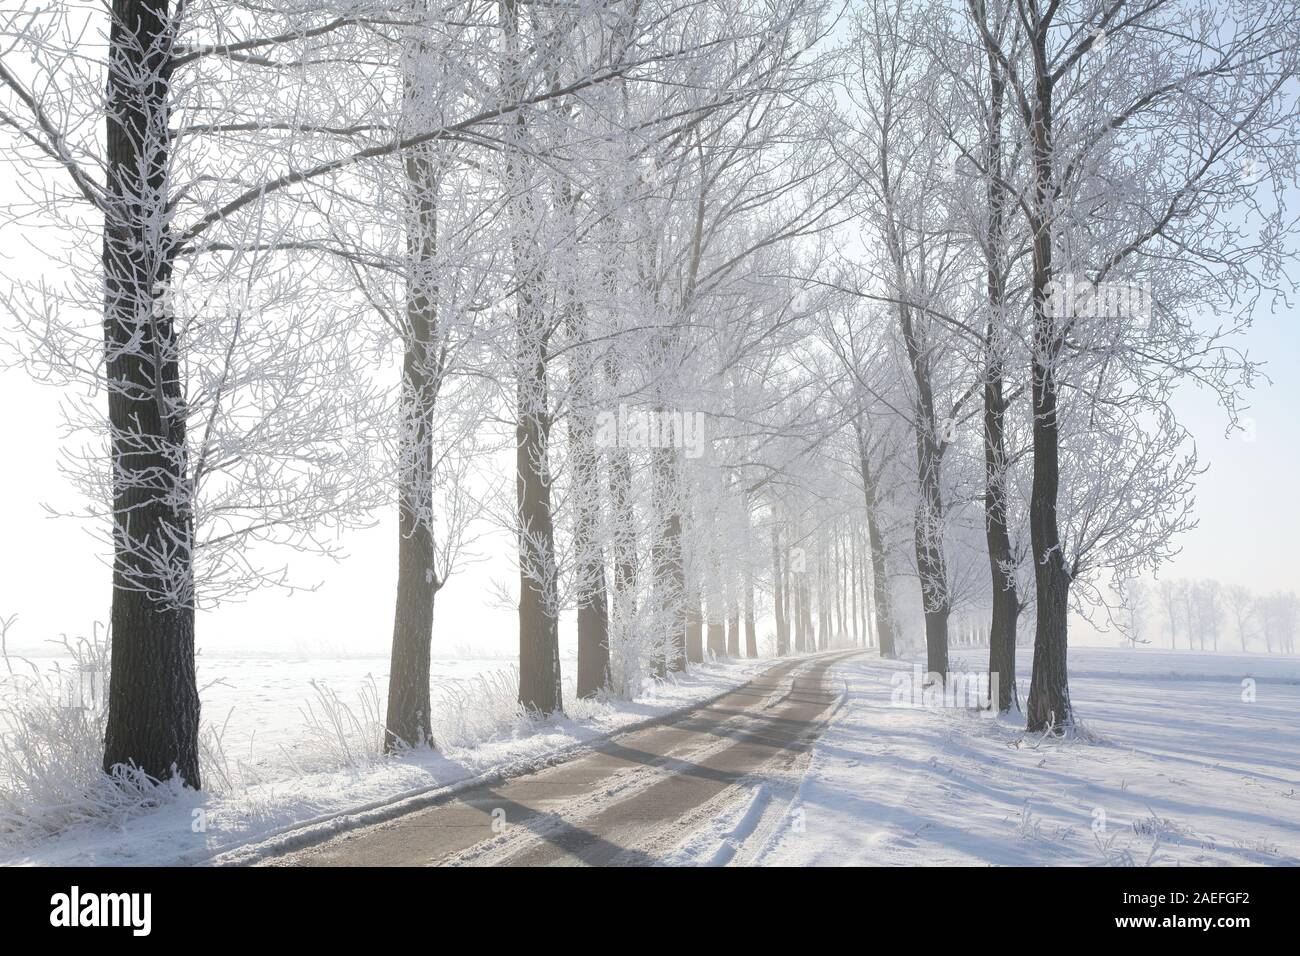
(796, 314)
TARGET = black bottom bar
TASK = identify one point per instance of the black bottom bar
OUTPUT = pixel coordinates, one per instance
(332, 905)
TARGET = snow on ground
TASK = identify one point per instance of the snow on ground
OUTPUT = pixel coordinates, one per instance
(284, 776)
(1186, 758)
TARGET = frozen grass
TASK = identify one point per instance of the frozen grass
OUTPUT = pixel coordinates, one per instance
(339, 735)
(467, 712)
(484, 707)
(348, 734)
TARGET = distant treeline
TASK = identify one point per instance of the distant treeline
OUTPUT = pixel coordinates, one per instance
(1206, 614)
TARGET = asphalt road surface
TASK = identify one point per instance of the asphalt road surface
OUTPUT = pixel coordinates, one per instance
(631, 801)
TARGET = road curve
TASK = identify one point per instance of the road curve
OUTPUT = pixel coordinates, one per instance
(627, 802)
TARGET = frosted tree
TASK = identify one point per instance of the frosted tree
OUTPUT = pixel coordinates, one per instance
(906, 204)
(1240, 603)
(220, 432)
(231, 420)
(1128, 162)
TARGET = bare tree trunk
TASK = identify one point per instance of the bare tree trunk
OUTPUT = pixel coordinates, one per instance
(787, 587)
(733, 614)
(715, 603)
(622, 616)
(674, 549)
(539, 647)
(669, 571)
(592, 597)
(778, 591)
(694, 627)
(930, 563)
(826, 619)
(800, 641)
(624, 535)
(805, 606)
(408, 720)
(751, 629)
(853, 584)
(717, 627)
(593, 615)
(868, 626)
(841, 598)
(1006, 601)
(860, 587)
(884, 623)
(884, 618)
(1049, 689)
(153, 698)
(847, 585)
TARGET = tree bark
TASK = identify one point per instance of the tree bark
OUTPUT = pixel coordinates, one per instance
(717, 634)
(820, 636)
(408, 720)
(1006, 601)
(751, 629)
(800, 640)
(694, 628)
(539, 649)
(1049, 691)
(841, 597)
(153, 698)
(716, 629)
(930, 563)
(593, 616)
(853, 584)
(809, 636)
(592, 597)
(622, 604)
(669, 570)
(880, 578)
(733, 627)
(778, 591)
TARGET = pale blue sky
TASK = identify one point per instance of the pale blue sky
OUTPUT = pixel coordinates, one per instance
(1246, 501)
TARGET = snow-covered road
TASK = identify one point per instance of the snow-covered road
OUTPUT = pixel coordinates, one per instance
(629, 800)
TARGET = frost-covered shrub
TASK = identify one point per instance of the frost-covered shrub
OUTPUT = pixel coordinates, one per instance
(473, 711)
(638, 645)
(52, 747)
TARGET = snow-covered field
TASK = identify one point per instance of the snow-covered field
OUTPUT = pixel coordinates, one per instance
(285, 763)
(1194, 759)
